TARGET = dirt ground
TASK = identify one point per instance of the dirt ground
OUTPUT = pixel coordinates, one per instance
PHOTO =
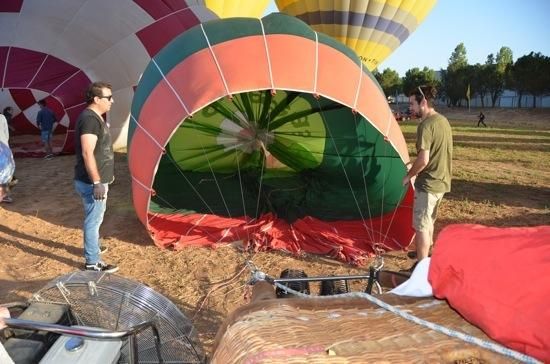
(41, 238)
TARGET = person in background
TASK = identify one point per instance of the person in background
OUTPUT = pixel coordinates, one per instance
(45, 120)
(481, 119)
(94, 170)
(432, 167)
(8, 113)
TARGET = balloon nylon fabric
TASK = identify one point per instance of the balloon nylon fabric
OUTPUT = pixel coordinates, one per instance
(237, 8)
(372, 28)
(291, 170)
(55, 49)
(499, 280)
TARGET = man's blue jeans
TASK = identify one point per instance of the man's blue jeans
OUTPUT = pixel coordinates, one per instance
(93, 217)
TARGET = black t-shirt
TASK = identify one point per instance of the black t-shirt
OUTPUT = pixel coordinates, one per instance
(90, 123)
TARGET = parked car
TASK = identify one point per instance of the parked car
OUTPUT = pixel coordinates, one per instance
(403, 114)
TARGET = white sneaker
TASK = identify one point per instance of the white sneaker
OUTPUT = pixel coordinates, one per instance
(102, 267)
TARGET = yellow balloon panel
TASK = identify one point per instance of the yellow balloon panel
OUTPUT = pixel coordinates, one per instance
(372, 28)
(237, 8)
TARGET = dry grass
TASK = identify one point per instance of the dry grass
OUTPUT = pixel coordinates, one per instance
(502, 178)
(501, 173)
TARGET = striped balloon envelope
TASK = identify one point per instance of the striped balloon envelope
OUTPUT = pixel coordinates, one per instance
(372, 28)
(54, 49)
(236, 8)
(267, 133)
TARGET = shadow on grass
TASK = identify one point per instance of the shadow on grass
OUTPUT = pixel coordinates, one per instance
(500, 194)
(52, 198)
(32, 240)
(508, 221)
(491, 142)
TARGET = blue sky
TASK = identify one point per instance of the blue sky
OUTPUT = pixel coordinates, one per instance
(482, 25)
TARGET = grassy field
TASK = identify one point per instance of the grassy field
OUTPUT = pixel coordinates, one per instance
(501, 178)
(501, 174)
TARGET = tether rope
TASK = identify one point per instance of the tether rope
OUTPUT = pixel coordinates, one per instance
(261, 276)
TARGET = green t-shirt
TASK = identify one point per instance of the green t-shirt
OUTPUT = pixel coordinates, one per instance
(435, 135)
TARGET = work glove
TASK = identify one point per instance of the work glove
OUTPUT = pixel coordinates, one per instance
(99, 191)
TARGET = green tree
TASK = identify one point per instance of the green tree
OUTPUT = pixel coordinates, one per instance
(495, 72)
(477, 80)
(455, 78)
(504, 59)
(416, 77)
(530, 74)
(390, 81)
(458, 59)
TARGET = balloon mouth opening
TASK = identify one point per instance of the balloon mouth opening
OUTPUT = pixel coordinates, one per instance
(290, 155)
(249, 139)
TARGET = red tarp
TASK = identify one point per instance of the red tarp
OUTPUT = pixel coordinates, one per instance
(499, 280)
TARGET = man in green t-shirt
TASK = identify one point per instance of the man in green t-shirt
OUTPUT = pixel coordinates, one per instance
(432, 167)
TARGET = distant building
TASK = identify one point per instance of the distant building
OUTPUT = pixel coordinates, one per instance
(510, 98)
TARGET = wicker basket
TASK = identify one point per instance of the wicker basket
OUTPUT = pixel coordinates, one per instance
(343, 330)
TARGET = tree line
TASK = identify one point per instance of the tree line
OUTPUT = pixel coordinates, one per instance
(529, 74)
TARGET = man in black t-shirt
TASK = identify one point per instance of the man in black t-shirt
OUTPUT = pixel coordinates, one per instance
(94, 170)
(45, 120)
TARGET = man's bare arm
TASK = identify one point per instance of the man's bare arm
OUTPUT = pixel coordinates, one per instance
(88, 143)
(419, 164)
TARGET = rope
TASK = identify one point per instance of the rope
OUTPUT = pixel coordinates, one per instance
(261, 276)
(267, 56)
(367, 229)
(132, 118)
(142, 185)
(245, 215)
(6, 67)
(358, 88)
(371, 236)
(215, 60)
(216, 287)
(387, 135)
(171, 87)
(316, 63)
(38, 70)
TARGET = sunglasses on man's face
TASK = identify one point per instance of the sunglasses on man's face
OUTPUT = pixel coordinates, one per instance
(109, 98)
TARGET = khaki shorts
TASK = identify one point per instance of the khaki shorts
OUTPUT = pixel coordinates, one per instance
(425, 210)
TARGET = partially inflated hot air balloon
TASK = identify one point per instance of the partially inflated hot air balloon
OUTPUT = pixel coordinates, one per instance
(53, 49)
(372, 28)
(236, 8)
(266, 132)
